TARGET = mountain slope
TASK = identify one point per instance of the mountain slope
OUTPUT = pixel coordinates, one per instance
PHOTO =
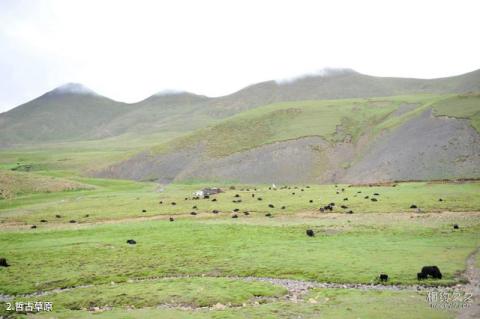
(68, 112)
(73, 112)
(361, 140)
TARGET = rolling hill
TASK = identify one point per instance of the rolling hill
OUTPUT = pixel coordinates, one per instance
(73, 112)
(417, 137)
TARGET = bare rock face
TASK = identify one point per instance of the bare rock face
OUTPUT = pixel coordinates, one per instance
(287, 161)
(426, 147)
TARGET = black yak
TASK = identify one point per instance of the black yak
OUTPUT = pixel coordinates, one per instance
(432, 271)
(383, 277)
(3, 263)
(131, 242)
(310, 233)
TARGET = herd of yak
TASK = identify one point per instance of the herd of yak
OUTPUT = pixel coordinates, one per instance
(426, 272)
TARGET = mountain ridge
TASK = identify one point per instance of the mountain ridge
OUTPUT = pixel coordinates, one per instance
(74, 112)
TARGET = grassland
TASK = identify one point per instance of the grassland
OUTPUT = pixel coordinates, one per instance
(319, 303)
(193, 267)
(382, 236)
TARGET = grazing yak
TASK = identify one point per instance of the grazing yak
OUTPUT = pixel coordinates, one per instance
(310, 201)
(193, 213)
(430, 271)
(259, 198)
(131, 242)
(171, 219)
(283, 207)
(310, 233)
(374, 199)
(246, 213)
(271, 206)
(234, 216)
(383, 277)
(344, 207)
(268, 215)
(72, 221)
(3, 263)
(215, 211)
(33, 226)
(194, 207)
(58, 216)
(455, 226)
(413, 206)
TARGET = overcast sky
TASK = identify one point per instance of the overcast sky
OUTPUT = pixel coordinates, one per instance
(128, 50)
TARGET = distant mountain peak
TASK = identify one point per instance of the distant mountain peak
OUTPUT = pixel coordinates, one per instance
(169, 92)
(325, 72)
(72, 88)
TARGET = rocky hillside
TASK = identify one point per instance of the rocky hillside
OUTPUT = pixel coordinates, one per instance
(418, 137)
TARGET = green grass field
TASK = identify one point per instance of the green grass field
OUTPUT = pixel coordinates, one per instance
(194, 267)
(125, 281)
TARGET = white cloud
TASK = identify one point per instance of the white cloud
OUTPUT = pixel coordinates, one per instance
(128, 50)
